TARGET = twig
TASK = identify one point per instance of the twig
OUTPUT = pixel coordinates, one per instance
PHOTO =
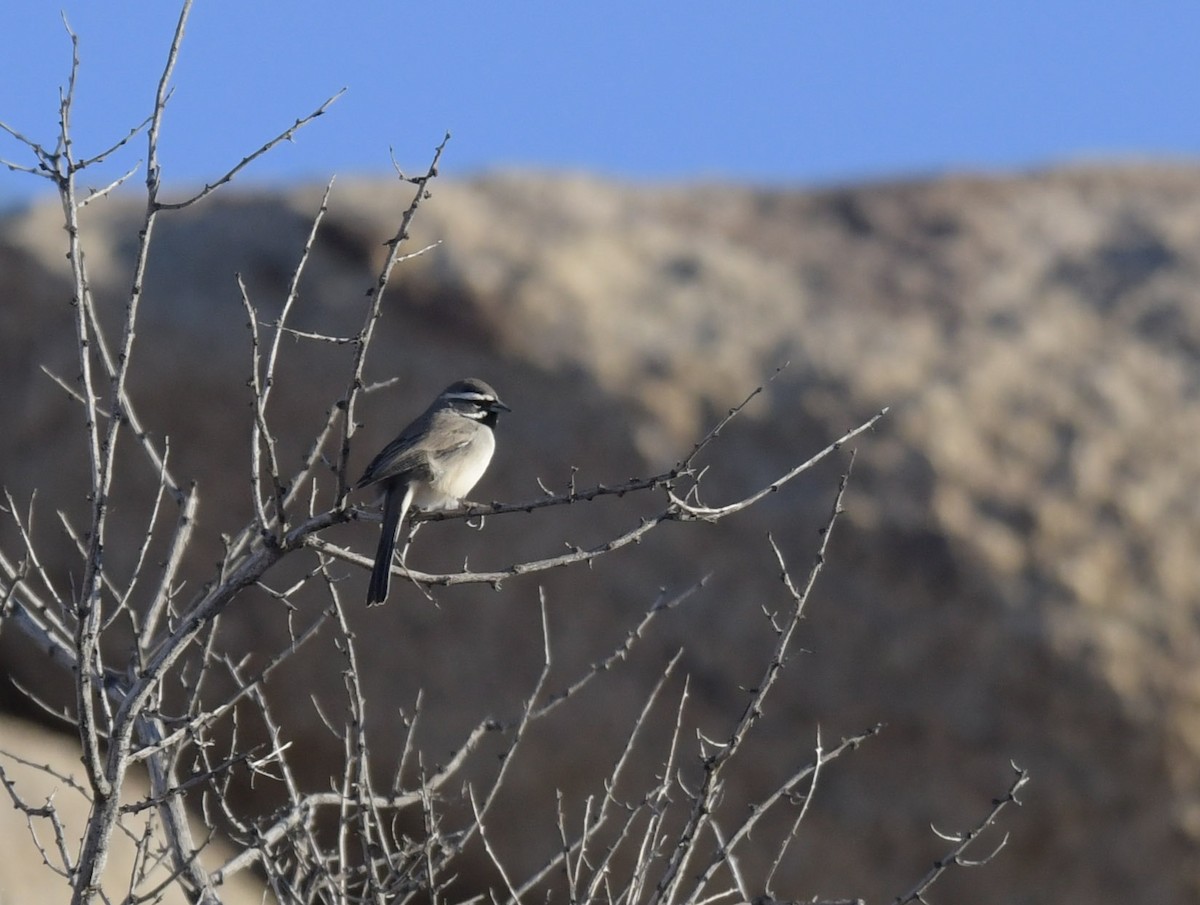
(708, 514)
(286, 135)
(961, 841)
(703, 801)
(376, 293)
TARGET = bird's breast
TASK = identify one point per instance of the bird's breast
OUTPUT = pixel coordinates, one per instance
(456, 473)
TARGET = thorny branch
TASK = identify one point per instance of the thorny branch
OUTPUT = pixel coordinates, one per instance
(954, 857)
(715, 761)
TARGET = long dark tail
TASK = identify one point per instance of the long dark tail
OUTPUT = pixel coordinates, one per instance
(395, 505)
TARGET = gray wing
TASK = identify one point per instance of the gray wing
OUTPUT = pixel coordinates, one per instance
(400, 457)
(421, 450)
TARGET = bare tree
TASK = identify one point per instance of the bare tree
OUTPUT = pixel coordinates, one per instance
(667, 842)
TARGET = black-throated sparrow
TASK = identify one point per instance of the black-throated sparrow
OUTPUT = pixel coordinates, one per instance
(432, 464)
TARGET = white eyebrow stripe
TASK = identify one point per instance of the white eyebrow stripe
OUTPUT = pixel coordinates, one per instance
(470, 397)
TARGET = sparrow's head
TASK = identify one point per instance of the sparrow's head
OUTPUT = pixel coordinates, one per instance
(472, 398)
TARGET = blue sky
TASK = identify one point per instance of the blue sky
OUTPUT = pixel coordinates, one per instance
(770, 92)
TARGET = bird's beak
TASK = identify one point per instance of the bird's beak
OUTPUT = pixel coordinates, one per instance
(499, 406)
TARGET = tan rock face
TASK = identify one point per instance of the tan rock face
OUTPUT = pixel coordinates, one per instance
(1016, 575)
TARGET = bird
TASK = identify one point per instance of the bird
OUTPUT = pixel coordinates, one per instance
(432, 464)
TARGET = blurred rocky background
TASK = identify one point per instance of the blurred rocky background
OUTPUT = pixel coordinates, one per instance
(1015, 577)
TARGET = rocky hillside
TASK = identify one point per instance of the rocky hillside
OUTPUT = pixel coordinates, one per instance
(1016, 574)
